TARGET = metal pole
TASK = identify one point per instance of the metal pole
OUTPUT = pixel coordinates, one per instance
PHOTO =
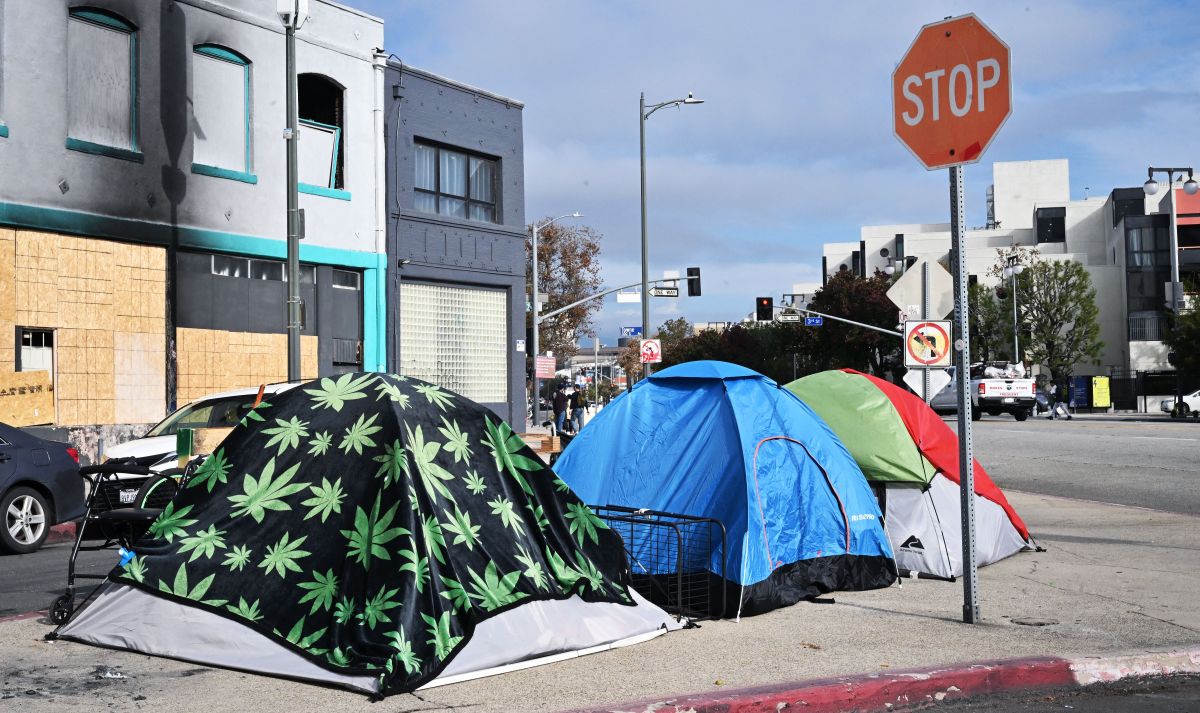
(537, 352)
(596, 370)
(293, 213)
(1016, 344)
(966, 460)
(646, 368)
(925, 315)
(1174, 244)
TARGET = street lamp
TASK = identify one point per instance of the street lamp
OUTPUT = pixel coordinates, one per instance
(644, 113)
(1011, 270)
(537, 311)
(1189, 187)
(293, 14)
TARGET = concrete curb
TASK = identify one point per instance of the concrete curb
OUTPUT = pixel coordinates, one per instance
(885, 691)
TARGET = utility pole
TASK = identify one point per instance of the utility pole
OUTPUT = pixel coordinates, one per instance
(293, 13)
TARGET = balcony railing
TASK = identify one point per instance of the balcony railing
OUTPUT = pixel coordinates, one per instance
(1147, 328)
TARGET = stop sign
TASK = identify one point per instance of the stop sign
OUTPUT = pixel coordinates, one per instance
(951, 92)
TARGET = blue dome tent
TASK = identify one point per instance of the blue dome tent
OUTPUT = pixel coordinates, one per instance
(712, 439)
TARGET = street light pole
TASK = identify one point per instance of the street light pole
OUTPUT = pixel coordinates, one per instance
(1011, 270)
(292, 13)
(537, 318)
(1189, 187)
(642, 116)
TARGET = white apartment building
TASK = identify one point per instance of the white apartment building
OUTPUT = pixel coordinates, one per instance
(1122, 239)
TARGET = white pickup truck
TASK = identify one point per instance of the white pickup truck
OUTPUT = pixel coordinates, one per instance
(992, 395)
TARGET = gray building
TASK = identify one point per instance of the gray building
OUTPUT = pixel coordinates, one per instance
(143, 195)
(456, 238)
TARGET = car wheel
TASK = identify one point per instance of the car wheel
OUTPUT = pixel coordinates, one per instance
(976, 414)
(24, 521)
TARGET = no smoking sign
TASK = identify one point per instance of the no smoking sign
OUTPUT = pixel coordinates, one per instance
(651, 351)
(927, 343)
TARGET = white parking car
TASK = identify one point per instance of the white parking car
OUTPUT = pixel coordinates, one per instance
(156, 449)
(1190, 401)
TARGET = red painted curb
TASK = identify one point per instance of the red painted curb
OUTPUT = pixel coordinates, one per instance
(62, 533)
(26, 615)
(869, 692)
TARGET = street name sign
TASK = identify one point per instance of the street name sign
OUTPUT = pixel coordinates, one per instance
(927, 343)
(664, 291)
(651, 351)
(951, 92)
(915, 378)
(631, 331)
(907, 290)
(814, 321)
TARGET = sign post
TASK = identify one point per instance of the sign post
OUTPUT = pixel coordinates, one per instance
(951, 93)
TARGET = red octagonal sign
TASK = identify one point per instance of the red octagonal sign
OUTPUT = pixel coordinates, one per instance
(951, 92)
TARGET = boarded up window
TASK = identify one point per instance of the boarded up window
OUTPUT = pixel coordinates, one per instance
(101, 80)
(220, 109)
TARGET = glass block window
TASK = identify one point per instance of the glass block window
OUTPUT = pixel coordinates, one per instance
(456, 337)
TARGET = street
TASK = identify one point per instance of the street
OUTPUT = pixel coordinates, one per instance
(1177, 694)
(1149, 465)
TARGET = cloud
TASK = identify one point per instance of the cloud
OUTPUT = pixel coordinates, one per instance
(793, 146)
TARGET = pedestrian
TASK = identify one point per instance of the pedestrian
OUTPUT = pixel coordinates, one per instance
(576, 402)
(559, 402)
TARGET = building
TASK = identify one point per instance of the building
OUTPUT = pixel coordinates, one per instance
(456, 238)
(1122, 239)
(143, 197)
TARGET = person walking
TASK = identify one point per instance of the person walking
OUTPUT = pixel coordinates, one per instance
(559, 402)
(576, 403)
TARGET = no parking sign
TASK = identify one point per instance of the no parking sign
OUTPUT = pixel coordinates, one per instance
(927, 343)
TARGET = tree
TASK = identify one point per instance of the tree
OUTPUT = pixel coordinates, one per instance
(568, 270)
(991, 324)
(1183, 340)
(862, 299)
(674, 331)
(1058, 308)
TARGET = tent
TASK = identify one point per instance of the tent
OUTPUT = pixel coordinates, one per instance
(377, 533)
(911, 457)
(712, 439)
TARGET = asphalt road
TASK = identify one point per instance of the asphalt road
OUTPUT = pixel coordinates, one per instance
(1177, 694)
(1150, 465)
(31, 582)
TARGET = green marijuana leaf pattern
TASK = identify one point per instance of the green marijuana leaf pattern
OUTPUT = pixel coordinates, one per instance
(474, 483)
(443, 643)
(359, 435)
(321, 591)
(375, 610)
(457, 442)
(214, 469)
(506, 448)
(394, 462)
(327, 498)
(504, 509)
(320, 443)
(584, 522)
(493, 591)
(404, 651)
(204, 543)
(265, 493)
(237, 558)
(433, 476)
(371, 533)
(334, 395)
(171, 522)
(246, 611)
(392, 392)
(281, 557)
(460, 525)
(287, 434)
(436, 396)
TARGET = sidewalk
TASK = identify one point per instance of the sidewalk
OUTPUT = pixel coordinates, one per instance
(1114, 581)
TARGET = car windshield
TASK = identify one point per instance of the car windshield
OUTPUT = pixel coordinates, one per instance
(211, 413)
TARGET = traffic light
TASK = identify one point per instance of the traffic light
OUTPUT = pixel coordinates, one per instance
(764, 309)
(693, 274)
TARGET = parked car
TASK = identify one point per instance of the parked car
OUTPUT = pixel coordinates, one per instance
(156, 449)
(989, 395)
(39, 487)
(1191, 406)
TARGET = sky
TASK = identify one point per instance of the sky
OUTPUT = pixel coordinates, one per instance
(793, 146)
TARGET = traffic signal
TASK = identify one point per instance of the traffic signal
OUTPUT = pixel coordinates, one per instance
(693, 274)
(764, 309)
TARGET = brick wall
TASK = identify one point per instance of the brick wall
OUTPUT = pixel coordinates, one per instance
(105, 302)
(212, 360)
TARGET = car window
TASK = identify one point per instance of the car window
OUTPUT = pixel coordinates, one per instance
(213, 413)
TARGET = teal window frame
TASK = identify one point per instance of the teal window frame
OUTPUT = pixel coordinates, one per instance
(113, 21)
(328, 191)
(245, 175)
(3, 130)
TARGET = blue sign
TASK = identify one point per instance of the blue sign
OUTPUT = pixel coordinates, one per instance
(631, 331)
(814, 321)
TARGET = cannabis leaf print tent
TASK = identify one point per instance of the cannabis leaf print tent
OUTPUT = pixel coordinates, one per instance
(372, 532)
